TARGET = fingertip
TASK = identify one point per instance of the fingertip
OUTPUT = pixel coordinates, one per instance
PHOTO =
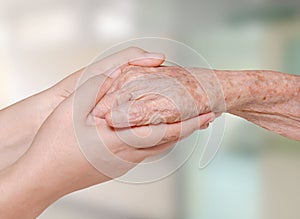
(206, 119)
(149, 60)
(205, 126)
(213, 116)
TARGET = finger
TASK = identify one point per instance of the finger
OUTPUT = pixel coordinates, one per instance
(132, 73)
(143, 153)
(143, 112)
(148, 60)
(117, 98)
(130, 55)
(90, 92)
(152, 151)
(180, 130)
(149, 136)
(108, 101)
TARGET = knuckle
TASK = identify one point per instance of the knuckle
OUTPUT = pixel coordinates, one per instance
(137, 107)
(138, 112)
(155, 119)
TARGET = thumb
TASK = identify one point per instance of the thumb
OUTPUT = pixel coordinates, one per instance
(129, 56)
(148, 60)
(90, 92)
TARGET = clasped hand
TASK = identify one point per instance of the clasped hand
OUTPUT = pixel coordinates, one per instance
(56, 152)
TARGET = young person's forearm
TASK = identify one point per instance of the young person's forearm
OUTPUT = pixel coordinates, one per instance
(19, 124)
(267, 98)
(39, 178)
(24, 194)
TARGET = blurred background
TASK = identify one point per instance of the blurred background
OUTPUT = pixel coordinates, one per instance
(254, 175)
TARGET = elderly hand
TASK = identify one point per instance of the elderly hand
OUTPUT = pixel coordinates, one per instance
(143, 96)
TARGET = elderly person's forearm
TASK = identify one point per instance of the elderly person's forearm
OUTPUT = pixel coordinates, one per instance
(267, 98)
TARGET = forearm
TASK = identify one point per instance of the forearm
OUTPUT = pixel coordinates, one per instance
(20, 194)
(19, 124)
(24, 193)
(21, 121)
(41, 177)
(267, 98)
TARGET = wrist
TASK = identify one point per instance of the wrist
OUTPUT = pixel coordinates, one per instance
(236, 88)
(223, 90)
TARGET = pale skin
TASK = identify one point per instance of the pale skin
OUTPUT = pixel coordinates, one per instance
(142, 96)
(33, 111)
(35, 173)
(182, 98)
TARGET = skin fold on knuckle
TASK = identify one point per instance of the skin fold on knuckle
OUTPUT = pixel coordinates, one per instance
(139, 113)
(168, 110)
(152, 111)
(170, 113)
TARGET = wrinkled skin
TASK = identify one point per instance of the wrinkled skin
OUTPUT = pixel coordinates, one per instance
(152, 96)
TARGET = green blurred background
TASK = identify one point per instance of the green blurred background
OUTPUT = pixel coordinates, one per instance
(254, 175)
